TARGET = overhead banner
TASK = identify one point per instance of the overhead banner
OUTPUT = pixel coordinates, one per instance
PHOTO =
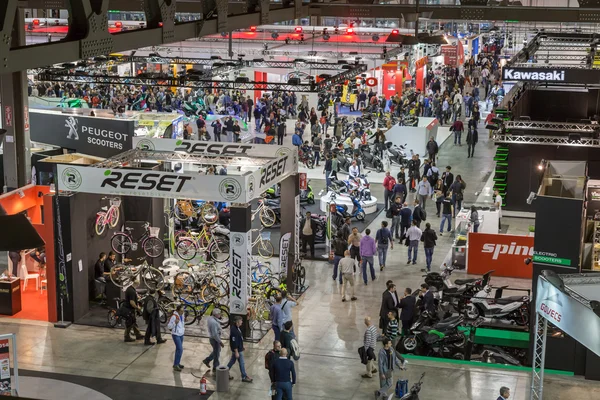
(95, 136)
(239, 261)
(551, 75)
(272, 173)
(284, 252)
(505, 254)
(5, 379)
(199, 147)
(150, 183)
(568, 314)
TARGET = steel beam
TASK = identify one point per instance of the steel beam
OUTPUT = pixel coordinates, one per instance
(546, 140)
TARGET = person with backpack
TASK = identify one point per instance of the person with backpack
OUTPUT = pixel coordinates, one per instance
(388, 188)
(150, 315)
(384, 239)
(394, 213)
(418, 213)
(270, 358)
(428, 238)
(289, 342)
(286, 307)
(433, 174)
(399, 191)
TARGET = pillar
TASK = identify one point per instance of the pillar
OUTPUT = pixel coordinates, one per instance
(15, 117)
(240, 251)
(290, 222)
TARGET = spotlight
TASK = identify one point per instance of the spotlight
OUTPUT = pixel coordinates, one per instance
(375, 38)
(36, 22)
(274, 35)
(395, 31)
(298, 29)
(118, 24)
(252, 29)
(540, 167)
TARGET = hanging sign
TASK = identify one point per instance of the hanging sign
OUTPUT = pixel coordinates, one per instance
(273, 173)
(371, 82)
(284, 252)
(5, 379)
(239, 258)
(8, 116)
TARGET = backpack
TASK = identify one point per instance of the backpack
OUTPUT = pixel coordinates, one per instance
(295, 348)
(389, 214)
(401, 387)
(384, 239)
(435, 175)
(148, 308)
(391, 184)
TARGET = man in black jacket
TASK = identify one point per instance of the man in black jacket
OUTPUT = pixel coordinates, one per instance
(407, 304)
(447, 179)
(338, 246)
(432, 149)
(428, 238)
(427, 302)
(389, 302)
(418, 214)
(309, 228)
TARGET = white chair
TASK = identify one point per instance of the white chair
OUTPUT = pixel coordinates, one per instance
(25, 275)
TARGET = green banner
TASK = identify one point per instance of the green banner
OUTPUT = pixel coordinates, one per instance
(552, 260)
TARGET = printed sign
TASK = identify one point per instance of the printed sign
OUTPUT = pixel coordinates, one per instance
(303, 181)
(150, 183)
(96, 136)
(275, 171)
(5, 379)
(239, 248)
(505, 254)
(566, 75)
(8, 116)
(284, 252)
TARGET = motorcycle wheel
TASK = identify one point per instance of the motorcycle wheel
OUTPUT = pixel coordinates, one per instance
(310, 200)
(522, 318)
(410, 343)
(458, 356)
(379, 167)
(472, 312)
(462, 342)
(360, 216)
(310, 163)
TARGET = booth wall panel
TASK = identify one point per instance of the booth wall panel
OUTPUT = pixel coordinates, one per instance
(563, 105)
(145, 209)
(64, 208)
(79, 243)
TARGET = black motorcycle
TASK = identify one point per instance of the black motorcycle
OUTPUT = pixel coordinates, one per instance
(369, 159)
(435, 340)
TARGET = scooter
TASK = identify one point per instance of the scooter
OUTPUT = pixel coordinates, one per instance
(307, 195)
(344, 162)
(342, 209)
(396, 154)
(369, 160)
(446, 332)
(514, 309)
(413, 394)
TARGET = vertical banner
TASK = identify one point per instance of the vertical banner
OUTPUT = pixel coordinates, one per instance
(284, 253)
(297, 229)
(239, 271)
(303, 181)
(5, 380)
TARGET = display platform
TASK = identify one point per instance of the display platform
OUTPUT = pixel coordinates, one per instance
(10, 296)
(414, 138)
(370, 206)
(502, 337)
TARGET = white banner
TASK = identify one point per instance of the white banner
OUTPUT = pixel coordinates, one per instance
(239, 271)
(200, 147)
(150, 183)
(284, 253)
(568, 314)
(272, 173)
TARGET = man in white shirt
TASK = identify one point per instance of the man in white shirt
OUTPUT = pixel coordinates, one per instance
(356, 143)
(498, 205)
(413, 235)
(354, 170)
(348, 269)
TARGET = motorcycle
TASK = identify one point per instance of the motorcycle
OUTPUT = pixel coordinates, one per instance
(370, 160)
(434, 340)
(307, 157)
(514, 309)
(342, 209)
(307, 195)
(495, 355)
(344, 162)
(396, 154)
(413, 394)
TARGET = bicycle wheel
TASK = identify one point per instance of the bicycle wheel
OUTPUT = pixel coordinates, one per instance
(100, 224)
(209, 213)
(183, 284)
(112, 318)
(181, 212)
(153, 278)
(121, 275)
(267, 217)
(153, 247)
(265, 249)
(186, 249)
(120, 243)
(114, 217)
(224, 320)
(300, 275)
(190, 314)
(217, 288)
(219, 250)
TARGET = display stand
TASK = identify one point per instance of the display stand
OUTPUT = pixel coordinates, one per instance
(414, 138)
(10, 296)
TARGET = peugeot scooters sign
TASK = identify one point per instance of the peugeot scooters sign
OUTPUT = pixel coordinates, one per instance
(551, 75)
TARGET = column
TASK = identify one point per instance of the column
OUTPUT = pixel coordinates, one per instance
(240, 250)
(290, 223)
(15, 118)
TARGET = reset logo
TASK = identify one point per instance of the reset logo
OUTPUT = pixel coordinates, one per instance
(145, 181)
(212, 148)
(513, 249)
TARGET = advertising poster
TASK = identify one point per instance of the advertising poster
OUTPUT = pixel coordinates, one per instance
(239, 271)
(5, 381)
(505, 254)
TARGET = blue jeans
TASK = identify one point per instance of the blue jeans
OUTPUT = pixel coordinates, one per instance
(216, 352)
(284, 387)
(336, 262)
(276, 331)
(327, 179)
(457, 204)
(428, 256)
(444, 218)
(382, 254)
(178, 340)
(457, 136)
(241, 362)
(412, 248)
(475, 228)
(367, 260)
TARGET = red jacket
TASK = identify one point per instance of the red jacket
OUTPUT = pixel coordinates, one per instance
(389, 182)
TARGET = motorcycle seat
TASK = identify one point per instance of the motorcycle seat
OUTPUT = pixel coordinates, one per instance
(464, 281)
(510, 299)
(448, 322)
(451, 290)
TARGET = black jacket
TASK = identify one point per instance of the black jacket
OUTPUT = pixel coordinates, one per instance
(313, 226)
(418, 215)
(339, 246)
(407, 305)
(472, 136)
(387, 304)
(447, 179)
(432, 147)
(427, 303)
(428, 238)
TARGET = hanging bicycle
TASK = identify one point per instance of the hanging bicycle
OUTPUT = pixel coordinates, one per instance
(124, 275)
(264, 245)
(216, 245)
(265, 214)
(186, 209)
(123, 242)
(108, 216)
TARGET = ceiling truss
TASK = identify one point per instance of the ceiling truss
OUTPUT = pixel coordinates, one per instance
(551, 126)
(545, 140)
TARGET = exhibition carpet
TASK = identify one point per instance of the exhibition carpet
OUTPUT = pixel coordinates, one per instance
(114, 389)
(34, 304)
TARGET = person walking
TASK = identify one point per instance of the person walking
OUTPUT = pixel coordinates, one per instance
(236, 343)
(399, 190)
(280, 133)
(327, 169)
(270, 358)
(388, 358)
(457, 189)
(308, 234)
(347, 270)
(405, 218)
(424, 191)
(368, 248)
(131, 308)
(428, 238)
(388, 189)
(177, 326)
(150, 314)
(354, 243)
(391, 331)
(433, 175)
(472, 139)
(504, 393)
(447, 179)
(395, 210)
(407, 305)
(389, 302)
(432, 149)
(338, 247)
(284, 375)
(214, 334)
(418, 213)
(474, 219)
(413, 235)
(370, 341)
(345, 230)
(276, 316)
(446, 213)
(384, 239)
(457, 128)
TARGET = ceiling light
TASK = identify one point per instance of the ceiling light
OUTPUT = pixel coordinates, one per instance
(252, 29)
(160, 24)
(298, 29)
(118, 24)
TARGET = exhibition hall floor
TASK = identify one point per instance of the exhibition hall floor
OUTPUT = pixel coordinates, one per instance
(328, 330)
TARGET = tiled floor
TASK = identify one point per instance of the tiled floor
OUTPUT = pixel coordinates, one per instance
(328, 330)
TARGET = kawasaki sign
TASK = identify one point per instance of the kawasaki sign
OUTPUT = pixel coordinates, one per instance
(551, 75)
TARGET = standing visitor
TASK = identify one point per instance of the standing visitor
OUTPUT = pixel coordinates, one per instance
(177, 326)
(447, 179)
(347, 270)
(388, 189)
(284, 375)
(407, 304)
(389, 302)
(457, 190)
(217, 127)
(432, 149)
(286, 307)
(370, 341)
(270, 358)
(405, 218)
(338, 247)
(354, 242)
(472, 139)
(399, 191)
(384, 239)
(214, 334)
(428, 238)
(424, 191)
(276, 316)
(457, 128)
(446, 212)
(418, 213)
(388, 358)
(474, 219)
(308, 234)
(391, 331)
(504, 393)
(150, 314)
(130, 305)
(236, 342)
(413, 235)
(280, 133)
(368, 248)
(327, 169)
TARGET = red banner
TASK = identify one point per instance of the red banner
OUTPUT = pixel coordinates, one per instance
(505, 254)
(450, 55)
(303, 181)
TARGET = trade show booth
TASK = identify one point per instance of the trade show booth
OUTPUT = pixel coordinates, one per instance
(414, 138)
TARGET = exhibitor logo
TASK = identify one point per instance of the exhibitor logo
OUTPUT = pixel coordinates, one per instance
(145, 144)
(511, 75)
(251, 184)
(72, 123)
(71, 178)
(230, 189)
(283, 151)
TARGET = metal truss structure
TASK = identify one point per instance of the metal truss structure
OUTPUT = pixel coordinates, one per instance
(501, 137)
(551, 126)
(135, 157)
(539, 357)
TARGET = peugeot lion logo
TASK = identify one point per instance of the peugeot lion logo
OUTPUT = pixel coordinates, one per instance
(72, 123)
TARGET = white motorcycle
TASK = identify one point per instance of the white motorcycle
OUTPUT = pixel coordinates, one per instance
(395, 154)
(513, 310)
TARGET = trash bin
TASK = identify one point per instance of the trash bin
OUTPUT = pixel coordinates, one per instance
(222, 379)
